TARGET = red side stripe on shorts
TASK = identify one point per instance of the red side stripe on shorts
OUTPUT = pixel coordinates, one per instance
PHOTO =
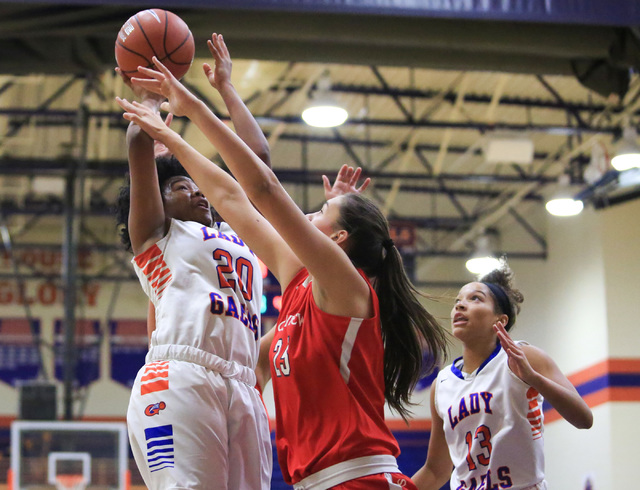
(160, 385)
(155, 377)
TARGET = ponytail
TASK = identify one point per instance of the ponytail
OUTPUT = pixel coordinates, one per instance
(407, 327)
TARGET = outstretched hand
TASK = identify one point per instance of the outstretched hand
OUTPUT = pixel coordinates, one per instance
(518, 362)
(345, 183)
(162, 82)
(139, 91)
(222, 72)
(147, 118)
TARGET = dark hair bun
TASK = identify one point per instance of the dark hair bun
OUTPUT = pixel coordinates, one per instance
(504, 277)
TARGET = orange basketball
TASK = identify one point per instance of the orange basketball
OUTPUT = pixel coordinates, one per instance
(154, 32)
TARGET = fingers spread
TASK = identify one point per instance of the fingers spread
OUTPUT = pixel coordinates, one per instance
(161, 67)
(124, 103)
(349, 175)
(223, 46)
(212, 49)
(155, 74)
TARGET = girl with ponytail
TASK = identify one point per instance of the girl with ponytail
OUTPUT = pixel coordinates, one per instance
(351, 331)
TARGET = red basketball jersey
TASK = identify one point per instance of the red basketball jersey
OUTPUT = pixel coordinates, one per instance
(328, 383)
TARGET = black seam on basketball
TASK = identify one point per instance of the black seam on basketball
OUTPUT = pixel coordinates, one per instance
(166, 29)
(177, 48)
(145, 36)
(149, 62)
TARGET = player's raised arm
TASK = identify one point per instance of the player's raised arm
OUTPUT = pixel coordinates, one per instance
(146, 219)
(243, 121)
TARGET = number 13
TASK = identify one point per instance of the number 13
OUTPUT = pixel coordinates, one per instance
(485, 443)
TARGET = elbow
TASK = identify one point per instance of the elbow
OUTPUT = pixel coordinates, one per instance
(264, 154)
(265, 187)
(585, 421)
(263, 376)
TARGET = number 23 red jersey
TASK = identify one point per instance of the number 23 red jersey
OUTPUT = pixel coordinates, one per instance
(328, 382)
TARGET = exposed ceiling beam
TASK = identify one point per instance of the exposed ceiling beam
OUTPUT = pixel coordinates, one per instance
(65, 117)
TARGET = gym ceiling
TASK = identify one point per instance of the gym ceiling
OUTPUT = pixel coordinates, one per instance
(429, 85)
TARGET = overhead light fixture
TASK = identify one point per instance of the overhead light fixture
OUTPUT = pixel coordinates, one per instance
(48, 185)
(509, 148)
(627, 150)
(564, 206)
(323, 111)
(563, 203)
(483, 259)
(324, 115)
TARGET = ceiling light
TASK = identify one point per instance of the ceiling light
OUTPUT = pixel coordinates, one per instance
(324, 115)
(483, 260)
(566, 206)
(482, 265)
(323, 111)
(627, 151)
(563, 203)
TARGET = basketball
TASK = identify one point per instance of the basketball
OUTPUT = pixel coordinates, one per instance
(154, 32)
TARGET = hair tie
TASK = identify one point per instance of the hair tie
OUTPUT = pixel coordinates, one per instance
(388, 243)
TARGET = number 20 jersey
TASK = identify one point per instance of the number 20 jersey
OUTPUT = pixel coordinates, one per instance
(493, 424)
(206, 286)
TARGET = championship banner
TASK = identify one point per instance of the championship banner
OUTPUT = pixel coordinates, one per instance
(129, 345)
(87, 341)
(19, 356)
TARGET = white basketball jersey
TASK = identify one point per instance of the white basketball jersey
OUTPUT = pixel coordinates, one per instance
(206, 286)
(493, 423)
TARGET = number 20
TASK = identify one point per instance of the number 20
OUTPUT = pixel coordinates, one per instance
(242, 266)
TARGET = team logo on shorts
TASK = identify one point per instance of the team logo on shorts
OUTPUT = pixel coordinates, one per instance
(154, 409)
